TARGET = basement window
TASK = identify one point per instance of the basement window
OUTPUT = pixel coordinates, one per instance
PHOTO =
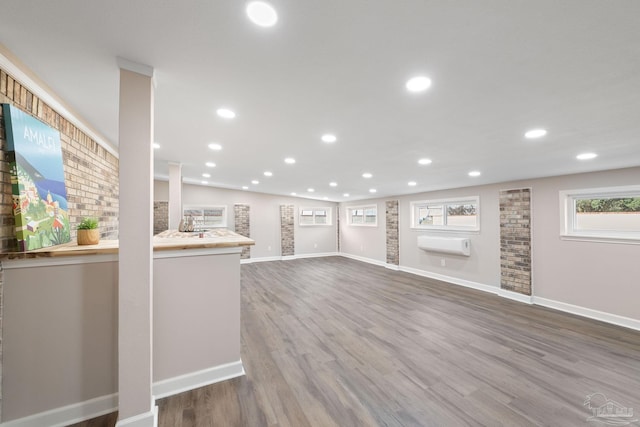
(366, 216)
(315, 216)
(461, 214)
(601, 214)
(206, 217)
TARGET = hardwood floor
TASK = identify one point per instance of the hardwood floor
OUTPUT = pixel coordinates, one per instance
(335, 342)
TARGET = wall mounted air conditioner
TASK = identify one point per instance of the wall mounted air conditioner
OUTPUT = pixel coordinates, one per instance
(447, 245)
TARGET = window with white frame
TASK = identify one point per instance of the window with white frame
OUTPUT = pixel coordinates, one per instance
(461, 214)
(315, 216)
(363, 215)
(608, 214)
(206, 217)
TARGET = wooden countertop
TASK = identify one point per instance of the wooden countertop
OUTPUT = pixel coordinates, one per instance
(165, 241)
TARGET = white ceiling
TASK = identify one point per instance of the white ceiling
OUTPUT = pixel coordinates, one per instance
(499, 68)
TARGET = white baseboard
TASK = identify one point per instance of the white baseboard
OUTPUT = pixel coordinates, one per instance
(392, 267)
(193, 380)
(557, 305)
(82, 411)
(602, 316)
(70, 414)
(316, 255)
(527, 299)
(449, 279)
(148, 419)
(263, 259)
(288, 257)
(363, 259)
(514, 296)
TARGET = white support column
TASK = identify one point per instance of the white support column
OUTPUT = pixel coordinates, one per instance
(135, 282)
(175, 195)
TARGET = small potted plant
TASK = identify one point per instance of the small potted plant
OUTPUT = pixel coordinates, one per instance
(88, 233)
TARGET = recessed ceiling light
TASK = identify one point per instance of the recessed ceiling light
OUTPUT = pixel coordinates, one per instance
(255, 182)
(412, 183)
(418, 84)
(366, 175)
(225, 113)
(204, 182)
(210, 165)
(289, 160)
(424, 161)
(345, 195)
(215, 146)
(333, 184)
(267, 173)
(262, 14)
(586, 156)
(294, 194)
(372, 190)
(329, 138)
(244, 187)
(156, 145)
(535, 133)
(474, 173)
(206, 175)
(310, 190)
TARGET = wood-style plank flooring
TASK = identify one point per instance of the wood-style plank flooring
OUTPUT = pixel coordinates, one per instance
(335, 342)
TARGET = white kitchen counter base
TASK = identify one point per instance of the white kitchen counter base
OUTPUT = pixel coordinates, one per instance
(59, 325)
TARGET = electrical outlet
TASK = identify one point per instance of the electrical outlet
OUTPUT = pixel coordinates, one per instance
(315, 245)
(443, 262)
(361, 248)
(268, 248)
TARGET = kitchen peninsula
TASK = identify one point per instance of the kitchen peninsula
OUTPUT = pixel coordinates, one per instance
(59, 323)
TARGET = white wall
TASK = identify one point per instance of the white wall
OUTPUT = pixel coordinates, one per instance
(364, 241)
(600, 276)
(60, 335)
(265, 217)
(596, 276)
(483, 266)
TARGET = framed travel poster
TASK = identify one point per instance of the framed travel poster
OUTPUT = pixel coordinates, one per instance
(37, 181)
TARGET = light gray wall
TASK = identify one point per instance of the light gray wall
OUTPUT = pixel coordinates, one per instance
(265, 217)
(192, 297)
(60, 336)
(598, 276)
(364, 241)
(483, 266)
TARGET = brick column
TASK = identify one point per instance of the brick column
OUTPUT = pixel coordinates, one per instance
(287, 238)
(175, 195)
(160, 217)
(515, 240)
(243, 227)
(338, 228)
(393, 243)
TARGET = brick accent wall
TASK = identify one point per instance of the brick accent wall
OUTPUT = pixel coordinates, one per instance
(338, 228)
(243, 227)
(160, 217)
(515, 240)
(91, 172)
(393, 242)
(287, 237)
